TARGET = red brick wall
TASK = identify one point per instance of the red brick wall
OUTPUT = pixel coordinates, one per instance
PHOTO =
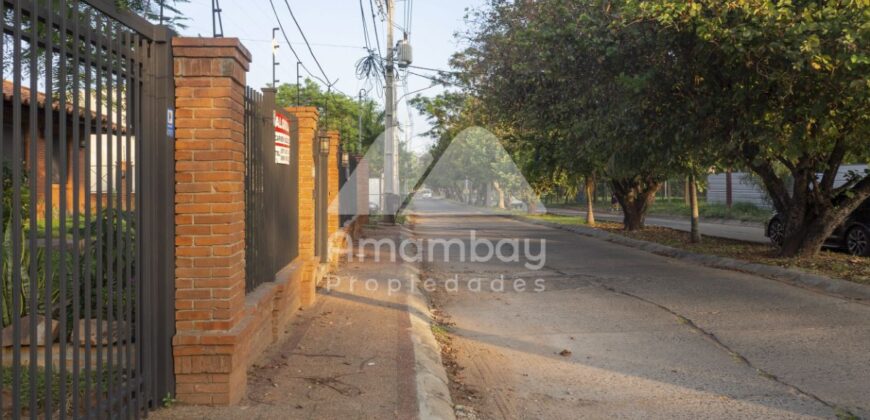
(221, 330)
(210, 362)
(308, 118)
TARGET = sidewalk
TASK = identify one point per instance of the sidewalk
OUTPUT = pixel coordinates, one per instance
(352, 355)
(747, 232)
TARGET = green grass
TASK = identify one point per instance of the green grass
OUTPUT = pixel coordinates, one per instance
(744, 212)
(563, 220)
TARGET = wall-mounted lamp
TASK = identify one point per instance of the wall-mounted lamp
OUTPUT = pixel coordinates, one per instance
(324, 144)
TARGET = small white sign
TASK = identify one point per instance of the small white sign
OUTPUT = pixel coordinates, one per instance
(282, 140)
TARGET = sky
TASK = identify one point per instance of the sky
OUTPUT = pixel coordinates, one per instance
(334, 29)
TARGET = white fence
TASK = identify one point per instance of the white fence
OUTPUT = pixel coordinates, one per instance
(745, 190)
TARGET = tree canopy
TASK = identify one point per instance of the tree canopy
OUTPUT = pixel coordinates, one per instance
(640, 90)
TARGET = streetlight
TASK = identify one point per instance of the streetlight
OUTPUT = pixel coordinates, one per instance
(345, 159)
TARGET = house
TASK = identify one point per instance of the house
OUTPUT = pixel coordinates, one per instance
(98, 171)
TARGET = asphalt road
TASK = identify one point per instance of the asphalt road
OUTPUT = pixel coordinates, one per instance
(617, 332)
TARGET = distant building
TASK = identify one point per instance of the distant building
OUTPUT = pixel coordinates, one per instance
(747, 190)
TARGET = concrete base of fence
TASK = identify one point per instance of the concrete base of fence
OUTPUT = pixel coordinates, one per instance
(211, 368)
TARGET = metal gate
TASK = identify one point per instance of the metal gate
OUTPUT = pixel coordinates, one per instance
(87, 162)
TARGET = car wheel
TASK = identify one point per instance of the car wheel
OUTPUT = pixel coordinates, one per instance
(858, 241)
(776, 232)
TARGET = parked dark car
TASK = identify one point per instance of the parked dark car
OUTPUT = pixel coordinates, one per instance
(852, 236)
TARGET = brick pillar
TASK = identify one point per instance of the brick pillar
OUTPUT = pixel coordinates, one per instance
(308, 118)
(362, 188)
(210, 219)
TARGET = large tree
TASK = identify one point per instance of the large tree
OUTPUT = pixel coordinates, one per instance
(338, 112)
(792, 81)
(593, 92)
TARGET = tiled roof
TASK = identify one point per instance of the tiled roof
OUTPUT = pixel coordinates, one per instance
(9, 90)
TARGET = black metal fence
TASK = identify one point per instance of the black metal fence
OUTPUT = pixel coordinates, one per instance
(271, 188)
(87, 197)
(347, 195)
(321, 197)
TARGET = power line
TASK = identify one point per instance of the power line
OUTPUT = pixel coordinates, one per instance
(316, 44)
(365, 26)
(304, 38)
(293, 50)
(375, 28)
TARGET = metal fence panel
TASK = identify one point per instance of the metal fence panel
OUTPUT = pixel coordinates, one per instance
(271, 191)
(82, 82)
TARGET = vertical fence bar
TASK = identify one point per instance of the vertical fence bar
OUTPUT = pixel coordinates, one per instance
(138, 112)
(105, 219)
(3, 255)
(33, 140)
(98, 202)
(77, 193)
(62, 213)
(86, 170)
(16, 215)
(137, 122)
(48, 237)
(145, 243)
(113, 222)
(128, 275)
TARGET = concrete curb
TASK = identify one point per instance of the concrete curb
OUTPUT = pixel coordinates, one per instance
(433, 394)
(832, 286)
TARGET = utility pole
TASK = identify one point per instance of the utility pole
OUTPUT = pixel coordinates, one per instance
(391, 146)
(274, 56)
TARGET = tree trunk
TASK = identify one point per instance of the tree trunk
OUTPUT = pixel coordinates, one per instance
(805, 241)
(590, 208)
(686, 197)
(807, 229)
(500, 192)
(693, 202)
(635, 195)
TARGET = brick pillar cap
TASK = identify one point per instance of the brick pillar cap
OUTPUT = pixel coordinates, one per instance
(306, 111)
(196, 47)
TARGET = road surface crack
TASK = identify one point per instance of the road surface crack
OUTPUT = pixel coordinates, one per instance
(840, 412)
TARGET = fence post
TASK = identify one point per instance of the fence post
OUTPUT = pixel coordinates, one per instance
(362, 189)
(210, 219)
(333, 163)
(307, 117)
